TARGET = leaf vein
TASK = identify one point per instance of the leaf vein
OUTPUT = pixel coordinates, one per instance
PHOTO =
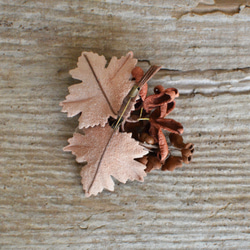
(99, 84)
(128, 57)
(101, 158)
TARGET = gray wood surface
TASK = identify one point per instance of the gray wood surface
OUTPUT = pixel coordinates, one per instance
(204, 48)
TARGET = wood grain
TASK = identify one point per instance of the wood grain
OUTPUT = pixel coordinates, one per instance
(205, 52)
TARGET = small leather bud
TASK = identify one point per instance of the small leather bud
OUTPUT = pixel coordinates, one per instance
(171, 163)
(176, 140)
(153, 163)
(158, 89)
(187, 159)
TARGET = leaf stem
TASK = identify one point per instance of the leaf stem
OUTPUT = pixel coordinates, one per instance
(141, 112)
(143, 119)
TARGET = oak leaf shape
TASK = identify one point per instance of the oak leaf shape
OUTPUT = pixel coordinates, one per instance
(108, 153)
(101, 93)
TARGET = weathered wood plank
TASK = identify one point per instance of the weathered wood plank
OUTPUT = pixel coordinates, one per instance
(205, 52)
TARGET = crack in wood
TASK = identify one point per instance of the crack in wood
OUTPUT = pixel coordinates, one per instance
(218, 210)
(227, 7)
(198, 71)
(237, 85)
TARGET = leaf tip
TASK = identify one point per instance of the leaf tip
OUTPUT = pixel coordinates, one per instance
(65, 149)
(180, 130)
(130, 53)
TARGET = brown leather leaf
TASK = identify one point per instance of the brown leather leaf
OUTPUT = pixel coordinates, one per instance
(167, 124)
(162, 100)
(101, 93)
(156, 100)
(167, 108)
(163, 146)
(108, 153)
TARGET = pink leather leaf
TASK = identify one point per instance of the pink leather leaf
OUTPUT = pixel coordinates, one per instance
(108, 153)
(102, 90)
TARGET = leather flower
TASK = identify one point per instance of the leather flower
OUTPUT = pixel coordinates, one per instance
(149, 125)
